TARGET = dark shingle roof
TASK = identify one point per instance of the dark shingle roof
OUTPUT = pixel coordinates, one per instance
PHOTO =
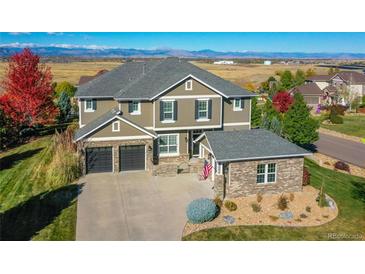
(352, 76)
(320, 78)
(84, 78)
(251, 144)
(89, 127)
(145, 80)
(308, 89)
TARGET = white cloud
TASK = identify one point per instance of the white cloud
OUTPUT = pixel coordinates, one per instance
(19, 45)
(65, 46)
(19, 33)
(55, 33)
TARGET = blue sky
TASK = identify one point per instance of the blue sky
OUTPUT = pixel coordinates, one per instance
(281, 42)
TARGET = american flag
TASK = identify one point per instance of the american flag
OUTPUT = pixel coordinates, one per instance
(206, 170)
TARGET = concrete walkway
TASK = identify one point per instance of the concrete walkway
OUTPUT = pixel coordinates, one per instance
(342, 149)
(136, 205)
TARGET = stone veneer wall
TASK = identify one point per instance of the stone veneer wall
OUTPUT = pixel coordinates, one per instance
(243, 177)
(115, 145)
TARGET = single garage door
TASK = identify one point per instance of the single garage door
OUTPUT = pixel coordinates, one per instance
(99, 159)
(132, 157)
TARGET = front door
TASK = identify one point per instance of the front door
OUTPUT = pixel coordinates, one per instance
(195, 146)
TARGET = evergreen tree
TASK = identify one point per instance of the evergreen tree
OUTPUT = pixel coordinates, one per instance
(298, 126)
(64, 106)
(255, 113)
(286, 79)
(299, 78)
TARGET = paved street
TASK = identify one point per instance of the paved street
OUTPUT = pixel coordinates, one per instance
(348, 151)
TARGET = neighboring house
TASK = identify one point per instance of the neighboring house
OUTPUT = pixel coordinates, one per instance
(351, 81)
(313, 95)
(147, 115)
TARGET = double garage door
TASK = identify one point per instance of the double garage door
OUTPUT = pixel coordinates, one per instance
(100, 159)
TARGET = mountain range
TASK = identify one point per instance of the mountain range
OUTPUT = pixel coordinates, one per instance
(91, 51)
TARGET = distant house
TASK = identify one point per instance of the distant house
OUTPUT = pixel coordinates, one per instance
(84, 79)
(267, 62)
(224, 62)
(330, 85)
(311, 92)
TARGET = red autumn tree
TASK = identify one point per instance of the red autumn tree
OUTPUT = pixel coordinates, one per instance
(282, 101)
(28, 91)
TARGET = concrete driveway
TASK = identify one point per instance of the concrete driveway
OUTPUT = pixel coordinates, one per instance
(136, 205)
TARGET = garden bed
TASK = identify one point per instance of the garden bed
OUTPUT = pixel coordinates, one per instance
(270, 214)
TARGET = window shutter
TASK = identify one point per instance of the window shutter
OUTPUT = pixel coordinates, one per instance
(94, 104)
(175, 110)
(242, 103)
(209, 109)
(196, 109)
(130, 107)
(161, 110)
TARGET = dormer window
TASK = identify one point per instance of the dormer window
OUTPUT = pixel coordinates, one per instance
(189, 85)
(134, 108)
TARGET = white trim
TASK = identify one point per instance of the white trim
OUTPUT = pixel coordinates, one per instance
(154, 114)
(237, 124)
(203, 120)
(265, 157)
(266, 173)
(234, 104)
(118, 128)
(222, 109)
(183, 128)
(213, 171)
(191, 85)
(189, 97)
(206, 148)
(111, 119)
(168, 121)
(145, 157)
(82, 126)
(201, 136)
(219, 169)
(79, 104)
(177, 153)
(118, 138)
(195, 78)
(88, 109)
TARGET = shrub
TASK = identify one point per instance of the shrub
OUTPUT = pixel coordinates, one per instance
(308, 209)
(303, 216)
(298, 220)
(321, 199)
(342, 166)
(259, 197)
(335, 119)
(231, 206)
(283, 202)
(201, 210)
(306, 177)
(218, 201)
(338, 109)
(291, 197)
(256, 207)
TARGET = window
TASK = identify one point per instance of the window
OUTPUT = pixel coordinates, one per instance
(168, 111)
(135, 108)
(116, 126)
(237, 104)
(90, 105)
(202, 109)
(168, 144)
(189, 85)
(266, 173)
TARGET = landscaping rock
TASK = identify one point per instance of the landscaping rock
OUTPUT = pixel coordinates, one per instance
(229, 219)
(286, 215)
(331, 204)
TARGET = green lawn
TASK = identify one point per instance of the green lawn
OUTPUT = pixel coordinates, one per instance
(32, 207)
(349, 193)
(353, 125)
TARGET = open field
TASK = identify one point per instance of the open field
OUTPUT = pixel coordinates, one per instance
(239, 74)
(349, 193)
(253, 73)
(72, 71)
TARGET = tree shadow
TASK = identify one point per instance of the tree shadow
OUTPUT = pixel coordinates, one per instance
(23, 221)
(10, 160)
(310, 147)
(358, 192)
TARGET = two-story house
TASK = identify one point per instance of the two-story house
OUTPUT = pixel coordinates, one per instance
(156, 114)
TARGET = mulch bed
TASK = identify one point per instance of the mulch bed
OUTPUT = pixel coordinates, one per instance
(297, 213)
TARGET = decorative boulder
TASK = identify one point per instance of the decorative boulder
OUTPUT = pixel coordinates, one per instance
(201, 210)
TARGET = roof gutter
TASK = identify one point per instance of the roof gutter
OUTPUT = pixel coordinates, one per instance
(264, 157)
